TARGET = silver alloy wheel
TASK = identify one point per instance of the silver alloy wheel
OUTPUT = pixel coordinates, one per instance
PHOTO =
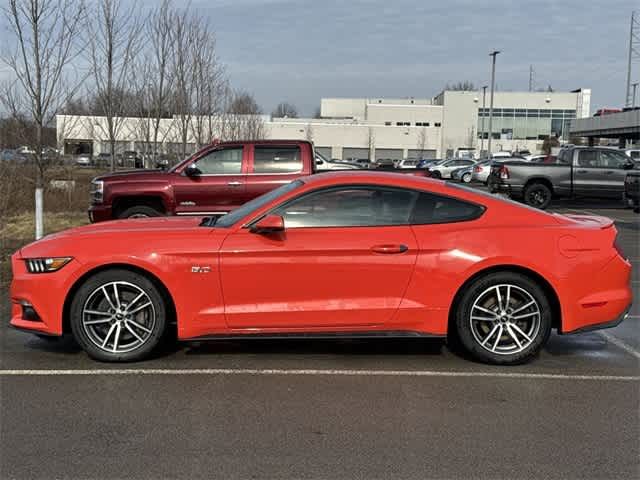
(138, 215)
(118, 317)
(505, 319)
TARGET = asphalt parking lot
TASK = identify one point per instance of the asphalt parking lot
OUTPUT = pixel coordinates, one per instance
(331, 409)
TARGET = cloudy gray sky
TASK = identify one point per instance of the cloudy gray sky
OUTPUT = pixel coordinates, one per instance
(302, 50)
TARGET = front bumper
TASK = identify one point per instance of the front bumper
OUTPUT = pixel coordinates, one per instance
(100, 213)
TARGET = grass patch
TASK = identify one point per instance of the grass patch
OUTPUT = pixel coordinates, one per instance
(19, 230)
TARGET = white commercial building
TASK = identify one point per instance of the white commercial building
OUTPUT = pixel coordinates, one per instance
(380, 128)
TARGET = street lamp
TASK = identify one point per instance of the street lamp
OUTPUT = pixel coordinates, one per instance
(493, 54)
(484, 97)
(633, 102)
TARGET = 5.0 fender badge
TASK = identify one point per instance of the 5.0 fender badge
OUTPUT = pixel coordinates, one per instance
(200, 269)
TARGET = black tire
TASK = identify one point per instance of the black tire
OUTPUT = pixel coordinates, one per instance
(436, 174)
(537, 195)
(88, 336)
(466, 178)
(468, 332)
(139, 211)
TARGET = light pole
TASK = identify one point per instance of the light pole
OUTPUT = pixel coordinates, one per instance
(633, 102)
(484, 97)
(493, 54)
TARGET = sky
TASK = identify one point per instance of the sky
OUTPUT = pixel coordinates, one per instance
(300, 51)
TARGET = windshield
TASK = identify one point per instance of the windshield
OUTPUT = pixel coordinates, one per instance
(249, 207)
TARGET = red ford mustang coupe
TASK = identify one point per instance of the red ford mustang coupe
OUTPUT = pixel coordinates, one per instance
(334, 255)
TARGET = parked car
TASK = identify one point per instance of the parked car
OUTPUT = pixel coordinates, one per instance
(632, 190)
(383, 163)
(606, 111)
(502, 154)
(480, 171)
(427, 162)
(579, 172)
(131, 158)
(323, 163)
(407, 163)
(83, 160)
(117, 287)
(634, 153)
(462, 174)
(213, 181)
(444, 169)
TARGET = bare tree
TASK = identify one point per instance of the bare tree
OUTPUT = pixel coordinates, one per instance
(371, 142)
(422, 141)
(113, 38)
(285, 110)
(242, 119)
(158, 71)
(464, 85)
(46, 42)
(209, 86)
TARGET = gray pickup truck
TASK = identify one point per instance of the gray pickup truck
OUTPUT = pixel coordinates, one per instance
(576, 172)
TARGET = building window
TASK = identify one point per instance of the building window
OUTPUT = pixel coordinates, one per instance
(387, 123)
(407, 124)
(437, 124)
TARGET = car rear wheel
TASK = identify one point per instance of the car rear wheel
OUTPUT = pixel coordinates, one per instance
(537, 195)
(139, 211)
(466, 178)
(503, 318)
(118, 316)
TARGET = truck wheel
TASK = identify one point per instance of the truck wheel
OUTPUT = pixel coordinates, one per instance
(537, 195)
(139, 211)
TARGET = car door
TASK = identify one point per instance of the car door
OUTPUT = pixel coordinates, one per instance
(344, 260)
(272, 165)
(218, 187)
(615, 166)
(588, 176)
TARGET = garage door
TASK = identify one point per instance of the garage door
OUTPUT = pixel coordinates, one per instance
(349, 153)
(392, 153)
(428, 154)
(324, 151)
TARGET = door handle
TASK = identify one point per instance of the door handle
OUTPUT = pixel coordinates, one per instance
(583, 171)
(389, 248)
(234, 184)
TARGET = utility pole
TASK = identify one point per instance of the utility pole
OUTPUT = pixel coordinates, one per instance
(493, 54)
(484, 114)
(634, 52)
(531, 78)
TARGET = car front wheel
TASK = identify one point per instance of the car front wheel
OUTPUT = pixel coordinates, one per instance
(503, 318)
(118, 316)
(466, 178)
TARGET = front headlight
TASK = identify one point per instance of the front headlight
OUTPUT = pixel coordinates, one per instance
(97, 191)
(46, 265)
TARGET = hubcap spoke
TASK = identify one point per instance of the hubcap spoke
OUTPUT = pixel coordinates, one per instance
(505, 319)
(107, 317)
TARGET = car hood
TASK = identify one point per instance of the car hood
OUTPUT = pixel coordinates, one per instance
(129, 175)
(117, 232)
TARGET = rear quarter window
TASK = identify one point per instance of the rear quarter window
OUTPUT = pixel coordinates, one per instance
(433, 209)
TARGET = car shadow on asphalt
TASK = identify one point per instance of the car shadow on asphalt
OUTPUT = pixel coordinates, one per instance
(317, 347)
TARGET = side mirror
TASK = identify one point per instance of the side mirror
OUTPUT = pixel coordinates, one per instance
(192, 170)
(628, 166)
(268, 224)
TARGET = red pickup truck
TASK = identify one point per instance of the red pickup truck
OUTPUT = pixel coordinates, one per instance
(213, 181)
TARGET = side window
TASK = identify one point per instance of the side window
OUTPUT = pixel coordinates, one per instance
(588, 158)
(613, 159)
(565, 156)
(349, 207)
(431, 208)
(220, 162)
(285, 159)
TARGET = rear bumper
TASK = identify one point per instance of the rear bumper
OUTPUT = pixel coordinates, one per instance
(100, 213)
(498, 186)
(601, 326)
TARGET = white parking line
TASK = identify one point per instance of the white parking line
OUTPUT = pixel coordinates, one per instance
(619, 343)
(361, 373)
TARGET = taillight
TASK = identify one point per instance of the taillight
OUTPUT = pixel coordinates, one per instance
(504, 172)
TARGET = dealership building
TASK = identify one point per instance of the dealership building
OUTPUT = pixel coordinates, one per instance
(380, 128)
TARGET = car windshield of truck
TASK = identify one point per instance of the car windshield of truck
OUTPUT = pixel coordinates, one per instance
(232, 217)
